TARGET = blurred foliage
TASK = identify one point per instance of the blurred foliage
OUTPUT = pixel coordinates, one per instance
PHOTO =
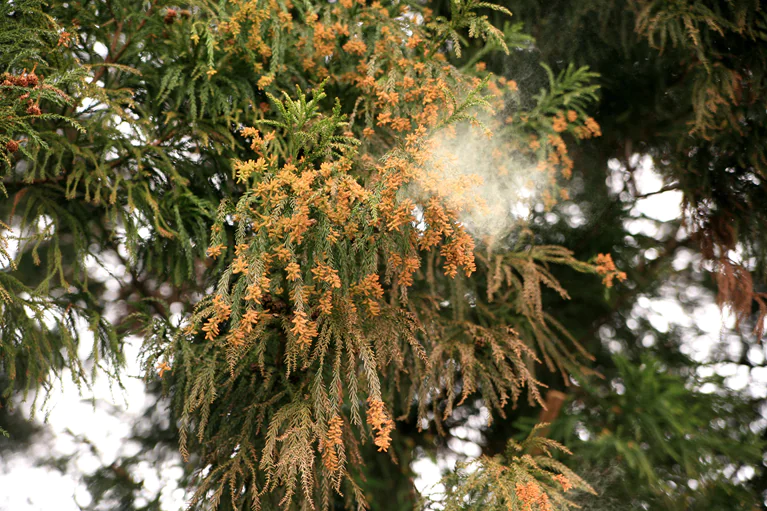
(664, 433)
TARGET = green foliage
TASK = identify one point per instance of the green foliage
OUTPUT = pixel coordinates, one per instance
(464, 17)
(30, 63)
(698, 70)
(526, 477)
(373, 356)
(572, 88)
(303, 268)
(665, 431)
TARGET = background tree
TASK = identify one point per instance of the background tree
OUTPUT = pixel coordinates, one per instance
(331, 264)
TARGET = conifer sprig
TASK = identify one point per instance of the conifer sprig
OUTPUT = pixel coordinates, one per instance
(520, 480)
(297, 232)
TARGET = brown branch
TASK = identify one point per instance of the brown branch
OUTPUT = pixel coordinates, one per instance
(667, 188)
(112, 59)
(41, 181)
(549, 413)
(554, 401)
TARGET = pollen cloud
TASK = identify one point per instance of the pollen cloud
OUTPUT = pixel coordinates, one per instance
(492, 186)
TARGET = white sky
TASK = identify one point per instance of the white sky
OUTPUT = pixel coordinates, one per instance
(73, 416)
(27, 487)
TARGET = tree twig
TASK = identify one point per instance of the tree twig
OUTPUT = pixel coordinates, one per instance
(667, 188)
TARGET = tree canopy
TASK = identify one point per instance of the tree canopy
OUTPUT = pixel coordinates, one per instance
(344, 231)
